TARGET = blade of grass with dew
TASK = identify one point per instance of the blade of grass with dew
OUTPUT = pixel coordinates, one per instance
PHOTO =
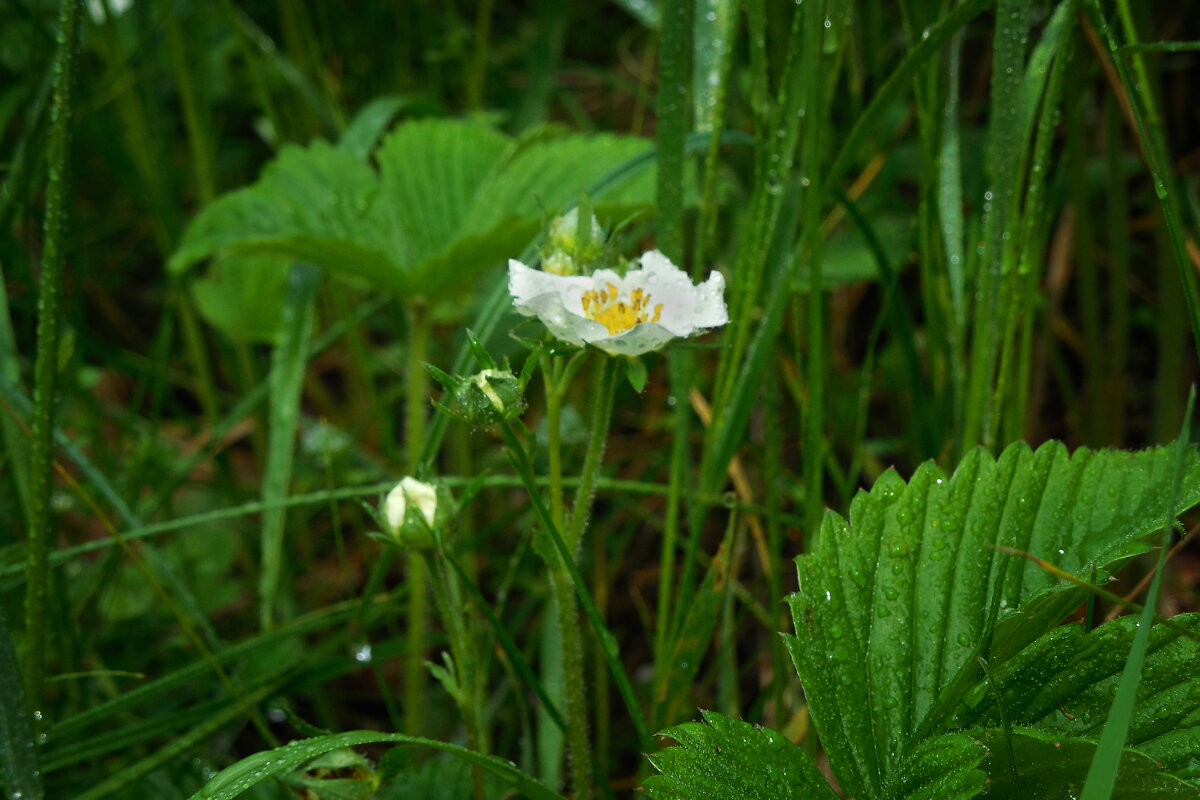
(235, 780)
(1102, 776)
(1150, 133)
(899, 81)
(675, 40)
(1044, 80)
(672, 110)
(816, 119)
(288, 363)
(1004, 146)
(695, 634)
(929, 99)
(127, 775)
(777, 139)
(45, 368)
(726, 430)
(18, 756)
(714, 34)
(12, 422)
(116, 737)
(1118, 295)
(161, 689)
(950, 215)
(194, 616)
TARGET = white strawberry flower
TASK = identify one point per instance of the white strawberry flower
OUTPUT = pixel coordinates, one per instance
(623, 316)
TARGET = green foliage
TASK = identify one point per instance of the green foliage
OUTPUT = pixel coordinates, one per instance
(449, 200)
(18, 758)
(940, 224)
(730, 758)
(899, 604)
(235, 780)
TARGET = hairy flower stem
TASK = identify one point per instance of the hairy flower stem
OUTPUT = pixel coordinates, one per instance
(469, 696)
(415, 396)
(558, 377)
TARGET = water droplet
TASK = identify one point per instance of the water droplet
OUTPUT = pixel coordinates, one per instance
(891, 593)
(363, 654)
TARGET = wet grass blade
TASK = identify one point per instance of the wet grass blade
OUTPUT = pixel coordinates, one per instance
(45, 370)
(1005, 145)
(286, 380)
(1102, 776)
(18, 756)
(235, 780)
(1150, 132)
(672, 108)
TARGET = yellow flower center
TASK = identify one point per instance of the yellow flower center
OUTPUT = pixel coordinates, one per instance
(618, 314)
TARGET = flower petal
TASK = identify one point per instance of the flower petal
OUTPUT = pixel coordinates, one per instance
(674, 307)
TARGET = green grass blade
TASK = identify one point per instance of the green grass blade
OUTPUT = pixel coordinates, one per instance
(232, 781)
(815, 121)
(899, 81)
(672, 108)
(46, 365)
(127, 775)
(18, 756)
(1153, 143)
(12, 431)
(286, 380)
(695, 634)
(1006, 143)
(950, 215)
(1102, 776)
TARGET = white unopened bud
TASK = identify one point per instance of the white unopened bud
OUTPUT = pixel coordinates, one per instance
(405, 506)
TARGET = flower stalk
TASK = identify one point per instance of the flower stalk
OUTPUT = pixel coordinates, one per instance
(416, 392)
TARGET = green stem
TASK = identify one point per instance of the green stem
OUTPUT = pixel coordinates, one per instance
(680, 369)
(576, 693)
(814, 440)
(45, 368)
(554, 398)
(416, 393)
(470, 701)
(478, 74)
(561, 575)
(520, 460)
(197, 135)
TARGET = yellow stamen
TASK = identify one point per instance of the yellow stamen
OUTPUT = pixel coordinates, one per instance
(616, 315)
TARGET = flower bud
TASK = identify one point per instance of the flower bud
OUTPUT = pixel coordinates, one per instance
(559, 263)
(565, 237)
(412, 511)
(490, 396)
